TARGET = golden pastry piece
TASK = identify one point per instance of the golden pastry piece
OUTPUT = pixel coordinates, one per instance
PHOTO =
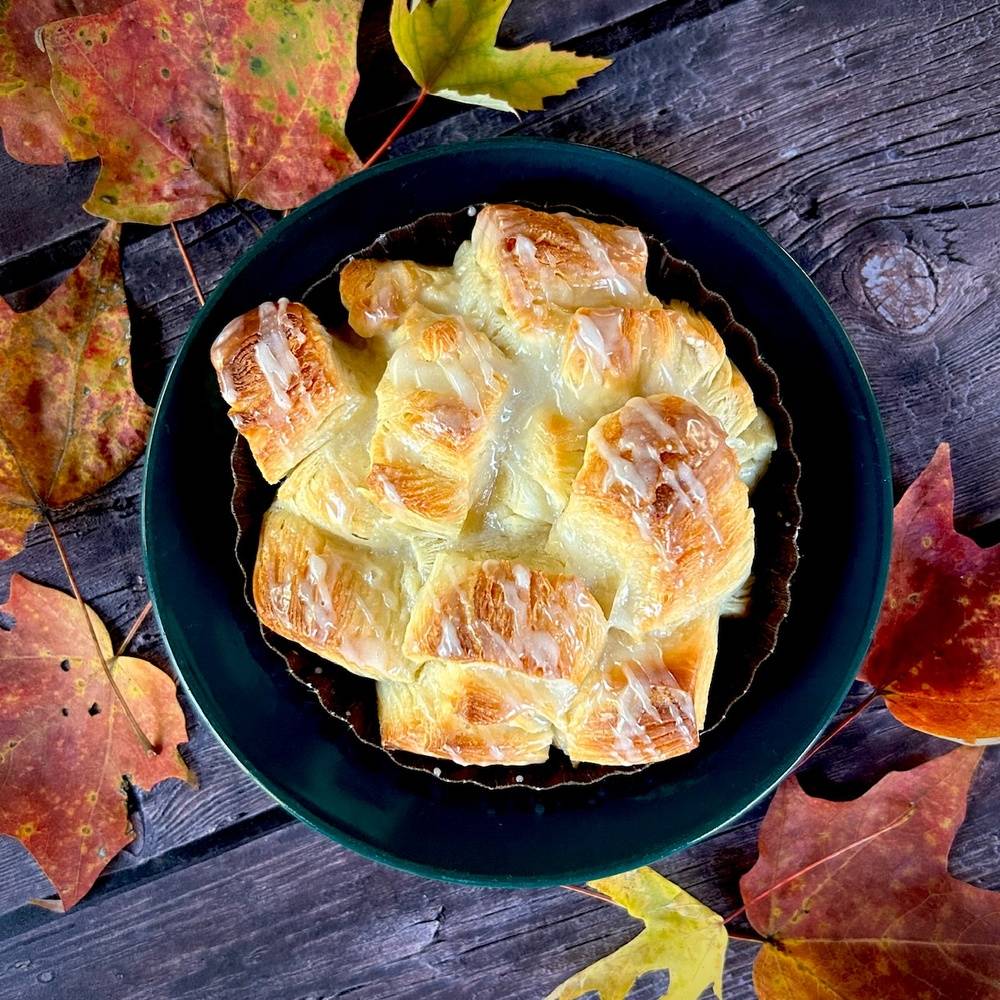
(541, 462)
(328, 488)
(505, 649)
(612, 354)
(538, 266)
(658, 522)
(646, 698)
(506, 615)
(285, 383)
(463, 716)
(684, 355)
(602, 353)
(377, 293)
(438, 405)
(346, 603)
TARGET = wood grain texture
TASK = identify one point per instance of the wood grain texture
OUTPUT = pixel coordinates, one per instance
(866, 138)
(297, 916)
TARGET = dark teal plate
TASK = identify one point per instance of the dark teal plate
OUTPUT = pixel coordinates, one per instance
(317, 768)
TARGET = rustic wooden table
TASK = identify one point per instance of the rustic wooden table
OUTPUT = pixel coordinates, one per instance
(866, 138)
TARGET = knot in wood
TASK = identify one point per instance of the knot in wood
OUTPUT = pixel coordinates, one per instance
(899, 284)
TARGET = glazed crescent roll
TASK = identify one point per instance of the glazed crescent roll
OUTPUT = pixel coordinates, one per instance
(535, 268)
(510, 619)
(542, 460)
(602, 356)
(658, 522)
(505, 648)
(464, 716)
(378, 293)
(285, 381)
(328, 487)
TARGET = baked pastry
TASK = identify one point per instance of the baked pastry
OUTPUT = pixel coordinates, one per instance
(286, 383)
(658, 521)
(516, 492)
(646, 698)
(438, 405)
(342, 601)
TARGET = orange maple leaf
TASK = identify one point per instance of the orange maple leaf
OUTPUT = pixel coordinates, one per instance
(34, 130)
(882, 919)
(70, 420)
(935, 656)
(192, 104)
(66, 747)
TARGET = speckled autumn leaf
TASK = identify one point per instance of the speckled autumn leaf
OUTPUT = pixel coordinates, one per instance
(65, 744)
(936, 652)
(681, 935)
(195, 102)
(450, 49)
(70, 421)
(884, 919)
(34, 130)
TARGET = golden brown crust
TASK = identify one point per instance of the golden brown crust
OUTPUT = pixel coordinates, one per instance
(438, 404)
(285, 383)
(658, 522)
(542, 460)
(507, 615)
(464, 716)
(328, 489)
(345, 603)
(602, 352)
(378, 293)
(646, 699)
(539, 264)
(684, 355)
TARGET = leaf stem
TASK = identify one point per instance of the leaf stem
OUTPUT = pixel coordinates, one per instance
(840, 726)
(140, 735)
(898, 821)
(187, 264)
(136, 625)
(403, 122)
(587, 892)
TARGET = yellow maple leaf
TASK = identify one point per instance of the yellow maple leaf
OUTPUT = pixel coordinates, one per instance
(450, 49)
(681, 935)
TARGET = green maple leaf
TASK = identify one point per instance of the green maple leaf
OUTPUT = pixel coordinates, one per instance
(450, 49)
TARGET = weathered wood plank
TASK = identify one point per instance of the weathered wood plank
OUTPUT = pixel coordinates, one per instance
(303, 917)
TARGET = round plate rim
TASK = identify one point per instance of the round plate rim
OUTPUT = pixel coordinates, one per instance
(766, 781)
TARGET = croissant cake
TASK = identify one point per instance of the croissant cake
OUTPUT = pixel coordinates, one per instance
(515, 492)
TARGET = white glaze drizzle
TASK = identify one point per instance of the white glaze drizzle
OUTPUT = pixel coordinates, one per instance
(538, 635)
(611, 278)
(598, 333)
(449, 645)
(642, 670)
(524, 251)
(276, 361)
(644, 471)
